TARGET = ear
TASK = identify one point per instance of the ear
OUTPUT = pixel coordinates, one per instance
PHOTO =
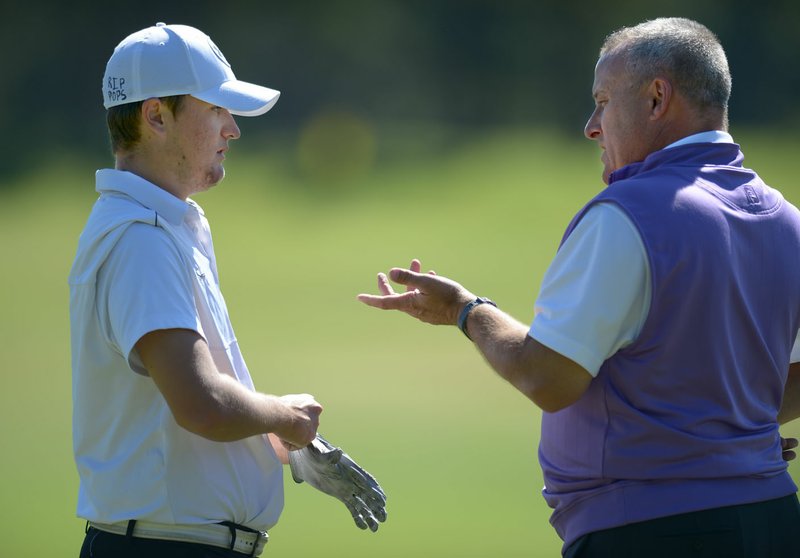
(660, 94)
(153, 115)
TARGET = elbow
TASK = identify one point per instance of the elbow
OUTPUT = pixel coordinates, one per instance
(550, 397)
(202, 427)
(550, 380)
(549, 404)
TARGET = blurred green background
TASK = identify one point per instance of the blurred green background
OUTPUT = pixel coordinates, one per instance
(447, 131)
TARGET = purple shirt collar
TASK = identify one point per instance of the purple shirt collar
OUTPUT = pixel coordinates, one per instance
(692, 154)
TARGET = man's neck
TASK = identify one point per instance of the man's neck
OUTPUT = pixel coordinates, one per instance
(140, 167)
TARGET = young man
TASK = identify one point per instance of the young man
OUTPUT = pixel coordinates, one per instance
(178, 455)
(660, 347)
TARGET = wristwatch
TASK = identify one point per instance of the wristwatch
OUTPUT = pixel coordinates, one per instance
(462, 317)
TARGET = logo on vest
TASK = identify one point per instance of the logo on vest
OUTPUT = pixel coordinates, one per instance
(752, 197)
(115, 89)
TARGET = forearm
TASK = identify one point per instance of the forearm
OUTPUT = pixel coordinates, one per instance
(214, 405)
(544, 376)
(227, 411)
(547, 378)
(500, 339)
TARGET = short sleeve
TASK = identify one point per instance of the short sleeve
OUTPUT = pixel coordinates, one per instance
(144, 286)
(596, 293)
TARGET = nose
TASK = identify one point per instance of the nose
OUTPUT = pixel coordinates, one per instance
(231, 130)
(592, 128)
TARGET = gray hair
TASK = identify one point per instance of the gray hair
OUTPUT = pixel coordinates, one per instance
(688, 53)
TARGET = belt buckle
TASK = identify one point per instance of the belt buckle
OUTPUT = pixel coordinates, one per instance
(260, 536)
(236, 529)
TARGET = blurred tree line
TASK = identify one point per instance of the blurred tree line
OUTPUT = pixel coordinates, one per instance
(468, 64)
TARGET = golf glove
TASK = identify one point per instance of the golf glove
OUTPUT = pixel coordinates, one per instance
(330, 470)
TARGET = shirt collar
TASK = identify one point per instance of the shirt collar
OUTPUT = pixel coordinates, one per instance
(712, 136)
(698, 154)
(146, 193)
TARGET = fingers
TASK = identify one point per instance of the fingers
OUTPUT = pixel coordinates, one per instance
(365, 481)
(415, 267)
(392, 301)
(376, 502)
(352, 506)
(362, 514)
(384, 287)
(370, 494)
(367, 511)
(297, 420)
(367, 500)
(407, 277)
(787, 444)
(374, 497)
(380, 513)
(428, 297)
(427, 283)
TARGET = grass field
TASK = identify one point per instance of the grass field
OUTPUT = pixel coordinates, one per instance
(453, 446)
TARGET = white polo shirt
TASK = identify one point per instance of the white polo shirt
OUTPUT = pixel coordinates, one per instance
(146, 262)
(595, 295)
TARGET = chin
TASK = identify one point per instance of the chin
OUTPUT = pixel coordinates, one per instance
(214, 177)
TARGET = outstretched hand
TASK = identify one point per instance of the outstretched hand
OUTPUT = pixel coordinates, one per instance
(428, 297)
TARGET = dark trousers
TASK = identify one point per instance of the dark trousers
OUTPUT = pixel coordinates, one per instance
(762, 530)
(99, 544)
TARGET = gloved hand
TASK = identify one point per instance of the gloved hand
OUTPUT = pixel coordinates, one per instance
(330, 470)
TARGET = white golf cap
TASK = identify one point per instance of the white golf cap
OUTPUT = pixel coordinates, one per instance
(166, 60)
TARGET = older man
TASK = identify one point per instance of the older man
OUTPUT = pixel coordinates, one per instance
(663, 332)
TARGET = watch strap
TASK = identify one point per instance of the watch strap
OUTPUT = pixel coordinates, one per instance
(462, 316)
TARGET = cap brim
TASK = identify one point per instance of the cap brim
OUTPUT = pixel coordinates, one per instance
(241, 98)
